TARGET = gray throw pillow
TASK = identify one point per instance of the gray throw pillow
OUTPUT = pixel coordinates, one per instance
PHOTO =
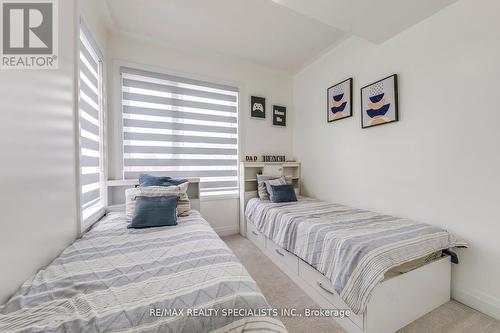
(273, 182)
(154, 212)
(283, 193)
(261, 185)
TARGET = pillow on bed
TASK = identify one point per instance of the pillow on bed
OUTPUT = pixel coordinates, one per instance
(183, 206)
(262, 189)
(149, 180)
(274, 182)
(283, 193)
(154, 212)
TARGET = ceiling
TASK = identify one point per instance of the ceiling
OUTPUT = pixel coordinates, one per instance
(282, 34)
(374, 20)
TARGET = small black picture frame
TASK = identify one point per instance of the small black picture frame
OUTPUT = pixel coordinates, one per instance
(279, 115)
(258, 107)
(379, 102)
(339, 101)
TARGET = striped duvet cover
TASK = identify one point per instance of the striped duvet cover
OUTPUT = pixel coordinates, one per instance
(354, 248)
(148, 280)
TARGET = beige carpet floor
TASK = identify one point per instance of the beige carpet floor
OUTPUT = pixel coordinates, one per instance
(282, 292)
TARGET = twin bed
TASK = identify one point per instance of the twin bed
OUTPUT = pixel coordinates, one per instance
(141, 280)
(387, 271)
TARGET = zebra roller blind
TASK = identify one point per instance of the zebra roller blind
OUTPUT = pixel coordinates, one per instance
(91, 136)
(179, 127)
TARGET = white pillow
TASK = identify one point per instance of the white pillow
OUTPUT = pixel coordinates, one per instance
(262, 187)
(183, 206)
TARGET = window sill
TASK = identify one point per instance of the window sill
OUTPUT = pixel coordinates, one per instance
(219, 197)
(95, 215)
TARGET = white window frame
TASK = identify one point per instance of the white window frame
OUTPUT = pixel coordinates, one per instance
(99, 208)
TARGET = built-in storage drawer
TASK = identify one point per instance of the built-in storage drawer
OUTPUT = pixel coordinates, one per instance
(256, 236)
(324, 287)
(284, 258)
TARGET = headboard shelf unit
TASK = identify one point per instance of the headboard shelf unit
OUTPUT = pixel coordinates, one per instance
(248, 182)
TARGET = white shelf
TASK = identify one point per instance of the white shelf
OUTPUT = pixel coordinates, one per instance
(262, 164)
(255, 179)
(122, 182)
(133, 182)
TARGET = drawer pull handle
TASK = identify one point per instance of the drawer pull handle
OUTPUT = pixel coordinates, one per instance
(325, 289)
(255, 233)
(278, 252)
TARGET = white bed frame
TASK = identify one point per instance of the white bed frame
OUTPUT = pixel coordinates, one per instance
(395, 302)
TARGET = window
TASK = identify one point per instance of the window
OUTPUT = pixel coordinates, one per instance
(91, 129)
(181, 128)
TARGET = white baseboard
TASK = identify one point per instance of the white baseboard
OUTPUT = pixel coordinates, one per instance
(478, 300)
(227, 231)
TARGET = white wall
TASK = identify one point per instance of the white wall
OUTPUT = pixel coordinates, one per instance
(95, 15)
(257, 136)
(440, 163)
(38, 170)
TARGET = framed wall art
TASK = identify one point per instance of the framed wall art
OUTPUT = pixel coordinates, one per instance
(379, 102)
(339, 101)
(258, 107)
(279, 115)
